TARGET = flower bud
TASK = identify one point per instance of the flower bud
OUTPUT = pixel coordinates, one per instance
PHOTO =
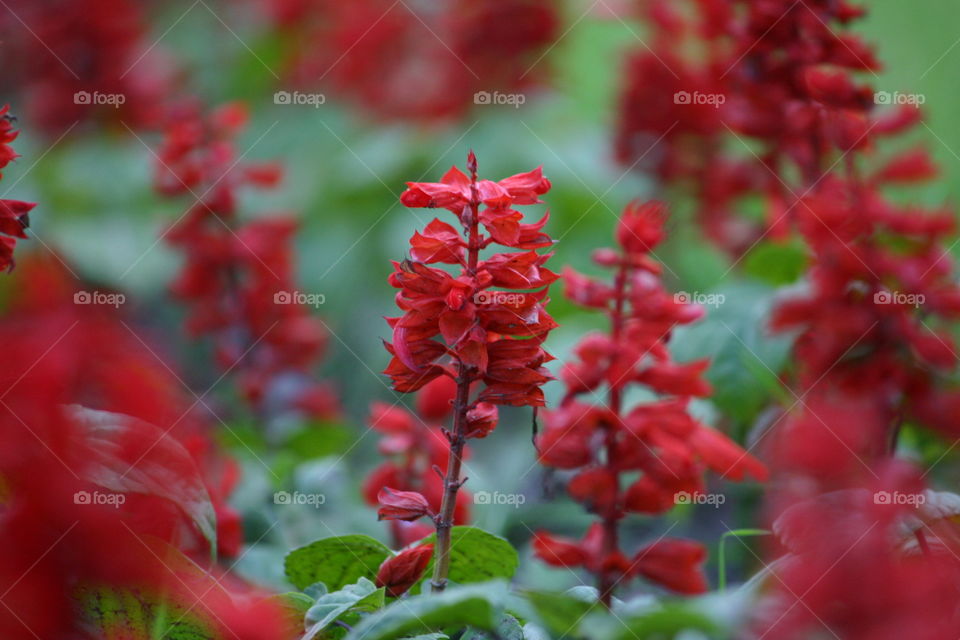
(400, 572)
(401, 505)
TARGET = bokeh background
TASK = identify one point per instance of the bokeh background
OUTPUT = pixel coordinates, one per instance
(345, 170)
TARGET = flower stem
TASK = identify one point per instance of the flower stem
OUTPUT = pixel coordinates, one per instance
(465, 376)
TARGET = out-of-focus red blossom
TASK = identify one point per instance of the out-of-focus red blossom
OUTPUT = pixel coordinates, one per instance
(400, 572)
(416, 61)
(239, 276)
(79, 60)
(877, 530)
(54, 545)
(414, 445)
(660, 439)
(14, 214)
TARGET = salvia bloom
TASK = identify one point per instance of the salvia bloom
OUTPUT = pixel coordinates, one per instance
(413, 444)
(603, 443)
(387, 57)
(14, 214)
(239, 276)
(81, 60)
(89, 411)
(483, 325)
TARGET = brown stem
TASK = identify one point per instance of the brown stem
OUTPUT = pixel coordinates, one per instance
(451, 480)
(605, 582)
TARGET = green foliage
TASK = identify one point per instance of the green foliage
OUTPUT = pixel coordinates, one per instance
(477, 605)
(336, 562)
(776, 263)
(345, 605)
(119, 614)
(476, 556)
(560, 613)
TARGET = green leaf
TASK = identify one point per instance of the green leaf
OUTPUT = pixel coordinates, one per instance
(669, 621)
(476, 605)
(336, 562)
(777, 263)
(355, 598)
(476, 556)
(294, 606)
(508, 629)
(560, 613)
(110, 613)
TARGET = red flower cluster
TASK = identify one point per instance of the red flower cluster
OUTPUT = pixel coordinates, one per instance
(70, 60)
(414, 444)
(660, 439)
(489, 317)
(404, 61)
(239, 277)
(772, 75)
(891, 534)
(14, 214)
(97, 500)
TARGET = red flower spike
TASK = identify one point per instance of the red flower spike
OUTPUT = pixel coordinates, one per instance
(482, 324)
(400, 572)
(14, 214)
(238, 277)
(660, 439)
(401, 505)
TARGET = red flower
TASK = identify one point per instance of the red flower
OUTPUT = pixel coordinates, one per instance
(675, 564)
(402, 505)
(14, 218)
(400, 572)
(238, 277)
(659, 439)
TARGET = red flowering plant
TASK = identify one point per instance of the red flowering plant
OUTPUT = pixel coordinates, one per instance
(489, 317)
(14, 214)
(109, 515)
(414, 61)
(80, 60)
(633, 459)
(239, 276)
